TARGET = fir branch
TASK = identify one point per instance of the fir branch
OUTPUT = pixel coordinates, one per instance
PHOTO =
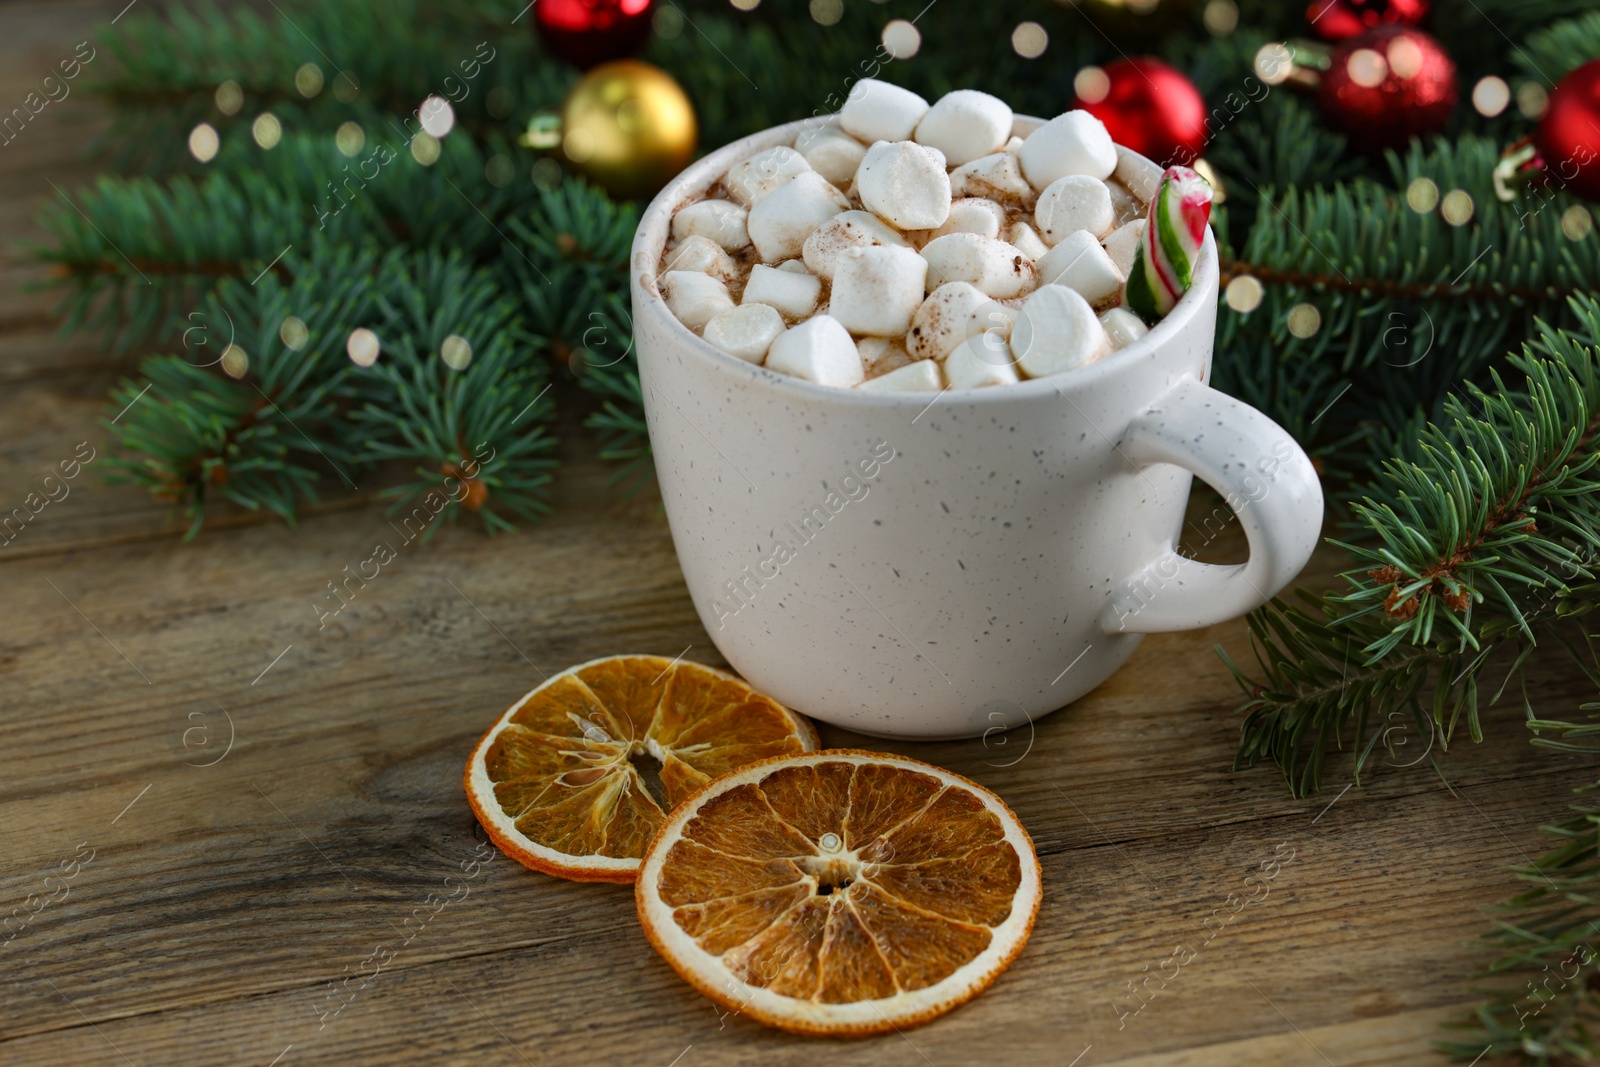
(1560, 48)
(1476, 538)
(1549, 933)
(456, 394)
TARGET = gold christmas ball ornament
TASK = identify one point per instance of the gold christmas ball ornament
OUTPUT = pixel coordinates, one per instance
(627, 127)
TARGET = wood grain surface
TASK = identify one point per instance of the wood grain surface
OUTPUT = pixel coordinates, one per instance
(254, 805)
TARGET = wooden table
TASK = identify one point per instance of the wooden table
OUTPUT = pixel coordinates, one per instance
(266, 802)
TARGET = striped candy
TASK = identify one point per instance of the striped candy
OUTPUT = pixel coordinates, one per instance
(1163, 265)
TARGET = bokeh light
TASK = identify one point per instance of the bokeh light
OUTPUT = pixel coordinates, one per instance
(901, 39)
(1091, 85)
(293, 334)
(1304, 320)
(1029, 40)
(1457, 207)
(437, 116)
(235, 362)
(1491, 96)
(1243, 294)
(308, 80)
(1422, 195)
(827, 12)
(1221, 17)
(350, 138)
(229, 97)
(267, 130)
(1576, 222)
(425, 148)
(203, 142)
(362, 347)
(456, 352)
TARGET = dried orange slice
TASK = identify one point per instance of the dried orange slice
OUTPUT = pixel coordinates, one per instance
(840, 892)
(555, 784)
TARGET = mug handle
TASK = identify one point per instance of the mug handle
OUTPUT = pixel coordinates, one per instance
(1265, 477)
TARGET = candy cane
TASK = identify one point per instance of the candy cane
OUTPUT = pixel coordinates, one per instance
(1163, 265)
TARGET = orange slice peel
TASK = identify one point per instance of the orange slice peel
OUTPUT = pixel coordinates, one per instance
(556, 782)
(840, 892)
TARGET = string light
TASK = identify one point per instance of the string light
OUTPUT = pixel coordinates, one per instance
(1221, 17)
(437, 116)
(235, 362)
(308, 80)
(350, 138)
(1243, 294)
(1029, 40)
(1491, 95)
(1304, 321)
(267, 130)
(362, 347)
(425, 148)
(456, 352)
(827, 12)
(293, 334)
(901, 39)
(1576, 222)
(203, 142)
(1422, 196)
(1457, 207)
(1091, 84)
(229, 98)
(1532, 100)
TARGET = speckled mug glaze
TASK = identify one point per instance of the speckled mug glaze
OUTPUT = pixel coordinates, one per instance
(1012, 550)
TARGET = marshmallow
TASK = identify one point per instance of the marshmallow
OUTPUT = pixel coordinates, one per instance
(694, 297)
(1076, 202)
(704, 255)
(877, 289)
(878, 111)
(974, 364)
(995, 267)
(906, 183)
(851, 229)
(919, 377)
(944, 320)
(794, 265)
(973, 214)
(880, 355)
(1073, 143)
(781, 221)
(746, 331)
(818, 350)
(998, 177)
(1013, 146)
(793, 294)
(1081, 264)
(964, 125)
(1057, 331)
(1027, 239)
(1139, 182)
(720, 220)
(1123, 243)
(831, 152)
(1122, 326)
(752, 179)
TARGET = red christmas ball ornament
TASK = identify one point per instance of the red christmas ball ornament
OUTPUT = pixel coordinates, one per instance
(1339, 20)
(1568, 136)
(1385, 87)
(587, 33)
(1148, 106)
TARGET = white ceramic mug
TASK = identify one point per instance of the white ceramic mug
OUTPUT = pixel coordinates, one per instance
(935, 570)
